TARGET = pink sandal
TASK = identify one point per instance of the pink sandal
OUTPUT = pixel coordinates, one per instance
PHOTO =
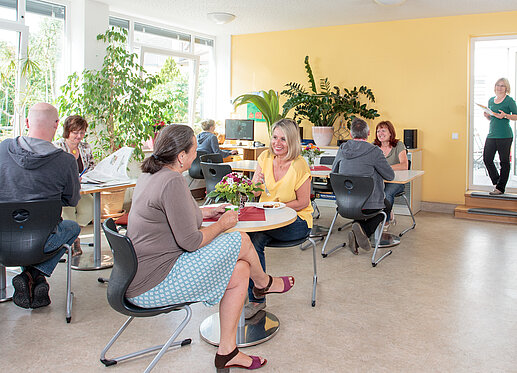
(260, 293)
(221, 361)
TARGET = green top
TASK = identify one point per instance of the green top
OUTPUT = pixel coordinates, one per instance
(500, 128)
(393, 156)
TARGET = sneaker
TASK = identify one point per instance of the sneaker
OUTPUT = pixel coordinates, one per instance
(495, 192)
(352, 244)
(22, 284)
(361, 238)
(40, 297)
(252, 308)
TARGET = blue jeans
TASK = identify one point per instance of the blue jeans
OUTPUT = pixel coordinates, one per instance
(294, 231)
(66, 232)
(392, 189)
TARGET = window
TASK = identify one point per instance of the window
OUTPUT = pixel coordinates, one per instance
(492, 58)
(31, 59)
(185, 63)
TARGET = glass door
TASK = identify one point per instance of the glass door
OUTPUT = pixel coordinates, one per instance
(13, 53)
(491, 58)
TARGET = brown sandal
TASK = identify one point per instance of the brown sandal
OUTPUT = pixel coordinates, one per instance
(221, 361)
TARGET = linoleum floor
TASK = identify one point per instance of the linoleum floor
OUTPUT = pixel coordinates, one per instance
(444, 301)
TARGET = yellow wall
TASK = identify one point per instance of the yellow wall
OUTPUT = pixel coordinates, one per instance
(418, 70)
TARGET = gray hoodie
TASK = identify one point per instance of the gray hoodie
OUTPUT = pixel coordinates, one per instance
(360, 158)
(207, 142)
(32, 169)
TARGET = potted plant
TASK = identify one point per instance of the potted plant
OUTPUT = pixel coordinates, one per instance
(310, 153)
(234, 188)
(266, 102)
(116, 100)
(322, 108)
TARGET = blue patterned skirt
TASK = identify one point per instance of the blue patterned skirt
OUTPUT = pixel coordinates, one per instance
(198, 276)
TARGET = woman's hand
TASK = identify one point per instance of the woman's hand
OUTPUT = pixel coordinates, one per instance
(500, 115)
(258, 178)
(487, 116)
(234, 152)
(213, 212)
(228, 220)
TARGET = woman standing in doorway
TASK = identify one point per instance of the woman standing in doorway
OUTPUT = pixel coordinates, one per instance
(500, 135)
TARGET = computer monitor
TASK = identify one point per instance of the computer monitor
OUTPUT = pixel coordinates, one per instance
(239, 129)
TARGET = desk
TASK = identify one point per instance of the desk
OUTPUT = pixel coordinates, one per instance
(248, 152)
(97, 259)
(251, 166)
(264, 325)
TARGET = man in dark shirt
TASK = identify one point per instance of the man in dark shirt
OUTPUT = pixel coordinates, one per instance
(31, 168)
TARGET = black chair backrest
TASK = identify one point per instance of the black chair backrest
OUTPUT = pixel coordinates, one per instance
(327, 159)
(213, 173)
(195, 171)
(351, 193)
(212, 158)
(124, 269)
(24, 230)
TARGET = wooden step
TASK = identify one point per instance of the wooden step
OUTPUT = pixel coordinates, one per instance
(485, 214)
(478, 199)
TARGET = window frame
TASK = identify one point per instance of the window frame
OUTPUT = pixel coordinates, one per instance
(132, 45)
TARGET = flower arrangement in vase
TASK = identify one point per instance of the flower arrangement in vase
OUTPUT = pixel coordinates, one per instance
(310, 152)
(234, 188)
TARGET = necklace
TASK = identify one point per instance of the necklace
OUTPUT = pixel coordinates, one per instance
(74, 151)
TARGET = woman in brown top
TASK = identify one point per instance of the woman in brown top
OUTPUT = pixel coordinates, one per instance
(180, 261)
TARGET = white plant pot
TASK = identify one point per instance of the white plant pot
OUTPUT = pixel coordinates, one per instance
(322, 135)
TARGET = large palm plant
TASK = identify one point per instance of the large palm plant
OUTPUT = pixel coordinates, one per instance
(324, 107)
(266, 102)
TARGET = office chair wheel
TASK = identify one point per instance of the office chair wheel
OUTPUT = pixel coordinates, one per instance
(102, 280)
(68, 319)
(313, 303)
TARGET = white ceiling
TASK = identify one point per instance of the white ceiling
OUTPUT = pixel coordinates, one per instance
(275, 15)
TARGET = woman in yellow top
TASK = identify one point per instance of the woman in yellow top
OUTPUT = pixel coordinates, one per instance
(287, 177)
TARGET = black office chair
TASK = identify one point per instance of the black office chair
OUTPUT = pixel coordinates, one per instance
(351, 193)
(212, 158)
(403, 195)
(124, 269)
(280, 244)
(24, 231)
(214, 172)
(195, 171)
(321, 186)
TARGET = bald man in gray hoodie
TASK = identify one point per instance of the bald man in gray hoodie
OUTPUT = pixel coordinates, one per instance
(32, 168)
(357, 157)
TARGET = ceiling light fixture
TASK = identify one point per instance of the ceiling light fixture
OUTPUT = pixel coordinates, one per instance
(220, 17)
(389, 2)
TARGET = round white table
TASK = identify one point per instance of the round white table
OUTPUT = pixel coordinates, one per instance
(264, 324)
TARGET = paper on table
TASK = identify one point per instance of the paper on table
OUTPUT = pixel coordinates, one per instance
(111, 169)
(486, 109)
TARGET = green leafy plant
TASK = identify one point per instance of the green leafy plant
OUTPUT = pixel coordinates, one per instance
(267, 103)
(116, 100)
(323, 107)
